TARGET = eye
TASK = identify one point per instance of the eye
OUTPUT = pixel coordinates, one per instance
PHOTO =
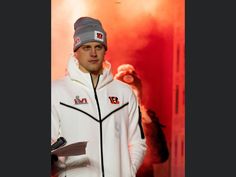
(99, 47)
(86, 47)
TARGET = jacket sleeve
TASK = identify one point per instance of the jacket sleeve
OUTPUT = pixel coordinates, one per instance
(136, 138)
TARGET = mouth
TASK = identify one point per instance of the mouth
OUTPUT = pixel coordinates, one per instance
(94, 61)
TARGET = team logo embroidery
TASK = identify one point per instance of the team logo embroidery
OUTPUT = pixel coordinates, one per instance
(78, 100)
(114, 100)
(99, 36)
(77, 40)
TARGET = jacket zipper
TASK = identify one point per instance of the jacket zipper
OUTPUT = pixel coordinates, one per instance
(100, 122)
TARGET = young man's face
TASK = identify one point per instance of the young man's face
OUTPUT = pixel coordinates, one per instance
(91, 57)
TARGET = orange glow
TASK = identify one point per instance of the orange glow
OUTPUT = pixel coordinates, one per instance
(133, 19)
(64, 13)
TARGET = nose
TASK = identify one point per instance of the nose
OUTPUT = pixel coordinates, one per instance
(93, 52)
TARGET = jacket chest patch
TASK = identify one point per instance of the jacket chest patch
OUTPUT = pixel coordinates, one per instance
(114, 100)
(79, 100)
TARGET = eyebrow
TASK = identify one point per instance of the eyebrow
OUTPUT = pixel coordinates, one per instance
(84, 45)
(88, 45)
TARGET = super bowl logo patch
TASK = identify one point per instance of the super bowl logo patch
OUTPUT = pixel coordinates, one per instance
(79, 100)
(99, 36)
(114, 100)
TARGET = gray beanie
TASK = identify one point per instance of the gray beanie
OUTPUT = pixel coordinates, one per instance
(88, 29)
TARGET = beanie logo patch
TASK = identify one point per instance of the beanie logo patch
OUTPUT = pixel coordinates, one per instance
(99, 36)
(77, 41)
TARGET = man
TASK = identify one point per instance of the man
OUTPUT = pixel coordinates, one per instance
(157, 151)
(88, 105)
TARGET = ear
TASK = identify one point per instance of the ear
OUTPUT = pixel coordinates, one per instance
(76, 55)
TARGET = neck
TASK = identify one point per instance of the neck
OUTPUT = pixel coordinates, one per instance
(94, 79)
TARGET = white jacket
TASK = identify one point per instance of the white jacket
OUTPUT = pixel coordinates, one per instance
(107, 117)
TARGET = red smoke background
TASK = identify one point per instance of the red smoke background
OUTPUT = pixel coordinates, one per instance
(139, 32)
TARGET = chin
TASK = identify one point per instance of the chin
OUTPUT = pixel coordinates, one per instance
(94, 70)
